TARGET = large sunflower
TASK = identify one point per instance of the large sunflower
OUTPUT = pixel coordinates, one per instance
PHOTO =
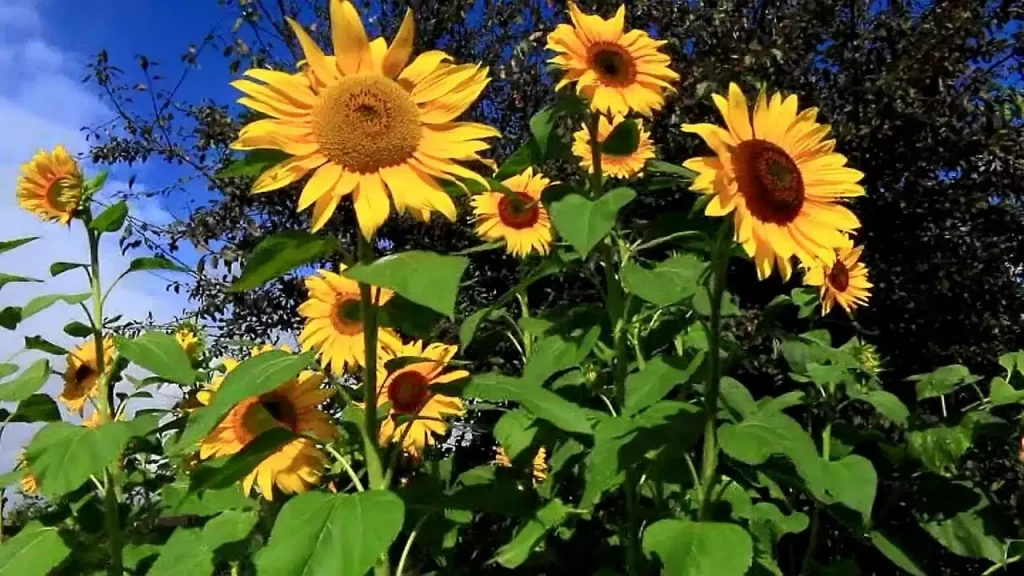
(298, 464)
(334, 326)
(779, 177)
(612, 164)
(367, 123)
(617, 71)
(539, 467)
(844, 281)
(50, 185)
(82, 376)
(518, 218)
(408, 389)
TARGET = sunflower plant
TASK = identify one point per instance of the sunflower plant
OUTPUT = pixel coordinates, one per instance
(620, 429)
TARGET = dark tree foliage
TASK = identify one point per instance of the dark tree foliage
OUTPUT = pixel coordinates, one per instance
(923, 97)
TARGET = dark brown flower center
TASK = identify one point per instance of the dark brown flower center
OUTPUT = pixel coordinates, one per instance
(769, 180)
(518, 210)
(408, 392)
(839, 276)
(612, 63)
(83, 372)
(281, 410)
(349, 312)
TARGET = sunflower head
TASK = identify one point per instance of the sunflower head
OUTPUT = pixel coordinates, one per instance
(29, 485)
(51, 185)
(367, 123)
(518, 218)
(188, 338)
(845, 280)
(779, 177)
(613, 164)
(618, 71)
(82, 375)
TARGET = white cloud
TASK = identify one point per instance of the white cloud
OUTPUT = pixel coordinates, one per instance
(42, 104)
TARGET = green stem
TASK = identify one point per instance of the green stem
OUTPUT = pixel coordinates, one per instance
(371, 427)
(826, 452)
(596, 176)
(347, 466)
(709, 464)
(408, 544)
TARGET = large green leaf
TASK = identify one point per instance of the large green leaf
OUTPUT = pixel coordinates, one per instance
(40, 303)
(667, 283)
(177, 500)
(6, 279)
(230, 470)
(252, 164)
(27, 383)
(887, 404)
(160, 354)
(111, 219)
(35, 551)
(191, 550)
(526, 539)
(62, 456)
(558, 352)
(515, 432)
(688, 548)
(279, 254)
(35, 408)
(1001, 393)
(939, 448)
(736, 399)
(656, 380)
(582, 222)
(6, 245)
(257, 375)
(426, 278)
(337, 534)
(894, 553)
(942, 381)
(541, 402)
(968, 533)
(623, 139)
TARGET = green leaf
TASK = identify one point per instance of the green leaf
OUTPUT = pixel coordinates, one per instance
(191, 550)
(96, 183)
(515, 432)
(155, 263)
(176, 499)
(659, 166)
(780, 403)
(11, 477)
(40, 303)
(769, 524)
(582, 222)
(111, 219)
(257, 375)
(36, 408)
(342, 534)
(7, 369)
(942, 381)
(160, 354)
(426, 278)
(736, 398)
(408, 317)
(27, 383)
(224, 472)
(894, 553)
(541, 402)
(525, 156)
(967, 534)
(688, 548)
(669, 282)
(518, 550)
(6, 279)
(279, 254)
(1001, 393)
(558, 352)
(887, 404)
(62, 456)
(656, 380)
(58, 268)
(77, 329)
(43, 345)
(252, 164)
(623, 140)
(35, 551)
(6, 245)
(540, 127)
(135, 554)
(939, 448)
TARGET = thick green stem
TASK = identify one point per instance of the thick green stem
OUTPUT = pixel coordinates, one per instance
(826, 453)
(371, 432)
(709, 465)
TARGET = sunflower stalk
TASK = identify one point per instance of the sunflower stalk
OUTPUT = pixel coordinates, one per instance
(826, 454)
(371, 426)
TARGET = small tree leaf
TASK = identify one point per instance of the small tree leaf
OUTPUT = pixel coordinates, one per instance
(27, 383)
(582, 222)
(426, 278)
(160, 354)
(279, 254)
(111, 219)
(688, 548)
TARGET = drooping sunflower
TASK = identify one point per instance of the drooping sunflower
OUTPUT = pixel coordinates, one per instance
(844, 281)
(29, 484)
(520, 219)
(539, 467)
(612, 164)
(779, 177)
(366, 123)
(617, 71)
(50, 185)
(408, 389)
(188, 339)
(334, 327)
(82, 376)
(295, 405)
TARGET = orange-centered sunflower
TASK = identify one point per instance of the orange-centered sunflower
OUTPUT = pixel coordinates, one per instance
(611, 164)
(539, 466)
(518, 218)
(408, 389)
(780, 178)
(50, 185)
(366, 123)
(844, 281)
(334, 325)
(297, 465)
(617, 71)
(82, 376)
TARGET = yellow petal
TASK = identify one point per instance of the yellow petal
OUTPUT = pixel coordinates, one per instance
(424, 65)
(371, 203)
(315, 58)
(349, 36)
(739, 114)
(319, 184)
(287, 172)
(401, 48)
(324, 209)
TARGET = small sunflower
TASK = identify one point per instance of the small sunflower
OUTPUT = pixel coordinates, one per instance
(29, 484)
(334, 326)
(844, 281)
(82, 376)
(408, 391)
(188, 339)
(367, 122)
(297, 465)
(540, 465)
(611, 164)
(520, 219)
(617, 71)
(779, 177)
(50, 185)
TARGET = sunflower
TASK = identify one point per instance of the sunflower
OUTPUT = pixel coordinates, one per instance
(94, 419)
(617, 71)
(29, 484)
(612, 164)
(779, 177)
(540, 465)
(844, 281)
(366, 123)
(298, 464)
(407, 389)
(50, 185)
(333, 321)
(82, 376)
(518, 218)
(188, 339)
